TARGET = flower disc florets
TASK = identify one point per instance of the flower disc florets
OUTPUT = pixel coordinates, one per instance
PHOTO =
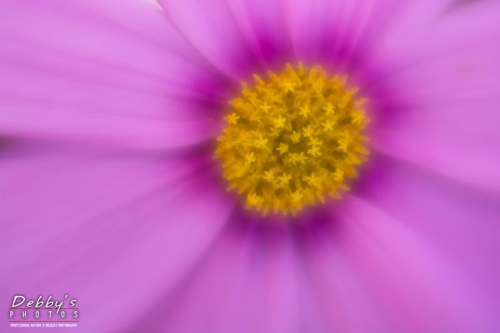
(292, 138)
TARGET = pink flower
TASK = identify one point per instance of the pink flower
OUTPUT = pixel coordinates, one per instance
(109, 110)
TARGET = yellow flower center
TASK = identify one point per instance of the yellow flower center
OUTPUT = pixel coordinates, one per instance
(292, 139)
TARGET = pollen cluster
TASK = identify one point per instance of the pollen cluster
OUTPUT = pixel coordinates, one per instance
(292, 138)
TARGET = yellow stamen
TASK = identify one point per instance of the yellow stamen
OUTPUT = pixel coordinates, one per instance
(293, 138)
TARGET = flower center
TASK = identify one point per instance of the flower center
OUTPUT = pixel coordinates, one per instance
(292, 138)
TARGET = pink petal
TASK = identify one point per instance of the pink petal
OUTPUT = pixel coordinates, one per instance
(266, 30)
(117, 230)
(112, 72)
(428, 243)
(427, 29)
(342, 303)
(333, 32)
(215, 34)
(346, 35)
(440, 95)
(450, 121)
(248, 282)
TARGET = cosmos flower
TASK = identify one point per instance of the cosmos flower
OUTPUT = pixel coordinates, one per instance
(124, 123)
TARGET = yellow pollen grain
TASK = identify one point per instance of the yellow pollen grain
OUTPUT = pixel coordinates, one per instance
(293, 138)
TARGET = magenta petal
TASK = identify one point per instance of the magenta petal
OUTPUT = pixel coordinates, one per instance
(426, 29)
(105, 71)
(213, 31)
(468, 157)
(444, 84)
(316, 25)
(249, 282)
(264, 24)
(110, 225)
(333, 33)
(338, 293)
(435, 244)
(450, 122)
